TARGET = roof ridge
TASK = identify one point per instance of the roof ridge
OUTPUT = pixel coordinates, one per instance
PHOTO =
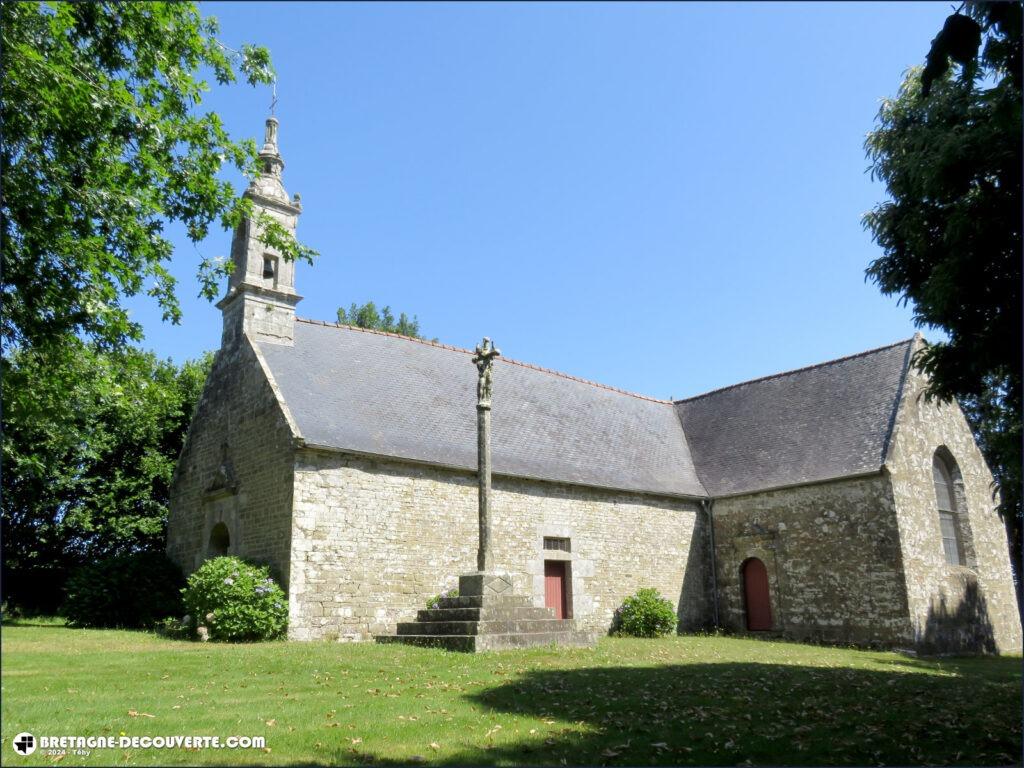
(798, 370)
(509, 360)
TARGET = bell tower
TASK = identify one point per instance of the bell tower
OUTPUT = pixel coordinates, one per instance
(261, 297)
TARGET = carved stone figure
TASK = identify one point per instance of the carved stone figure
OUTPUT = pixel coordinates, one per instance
(224, 480)
(484, 359)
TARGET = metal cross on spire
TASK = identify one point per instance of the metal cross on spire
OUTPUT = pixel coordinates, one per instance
(273, 96)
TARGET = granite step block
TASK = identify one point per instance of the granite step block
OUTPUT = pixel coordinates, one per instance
(531, 640)
(477, 643)
(465, 643)
(484, 614)
(523, 626)
(482, 601)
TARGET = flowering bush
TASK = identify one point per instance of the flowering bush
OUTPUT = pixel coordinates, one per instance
(230, 600)
(645, 614)
(132, 591)
(435, 601)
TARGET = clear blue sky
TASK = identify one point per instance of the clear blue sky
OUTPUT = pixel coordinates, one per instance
(665, 198)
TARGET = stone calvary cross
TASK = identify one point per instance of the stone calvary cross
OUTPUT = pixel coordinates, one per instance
(484, 359)
(486, 614)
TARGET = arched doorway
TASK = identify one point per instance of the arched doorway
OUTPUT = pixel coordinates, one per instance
(755, 595)
(220, 540)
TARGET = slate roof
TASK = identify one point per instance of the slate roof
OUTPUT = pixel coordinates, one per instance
(374, 393)
(818, 423)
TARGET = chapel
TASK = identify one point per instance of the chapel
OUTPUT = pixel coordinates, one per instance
(832, 503)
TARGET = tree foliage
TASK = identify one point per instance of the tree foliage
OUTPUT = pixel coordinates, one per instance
(948, 148)
(131, 591)
(90, 442)
(102, 146)
(367, 316)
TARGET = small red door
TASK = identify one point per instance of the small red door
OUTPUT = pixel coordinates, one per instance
(554, 587)
(755, 591)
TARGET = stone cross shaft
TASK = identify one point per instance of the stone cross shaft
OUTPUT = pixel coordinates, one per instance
(484, 359)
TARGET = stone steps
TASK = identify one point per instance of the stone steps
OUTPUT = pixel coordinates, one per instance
(489, 613)
(477, 601)
(487, 616)
(521, 626)
(474, 643)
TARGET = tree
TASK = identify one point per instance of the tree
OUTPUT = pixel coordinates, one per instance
(102, 145)
(90, 441)
(367, 316)
(949, 151)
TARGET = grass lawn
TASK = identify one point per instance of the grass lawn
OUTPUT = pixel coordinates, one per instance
(699, 700)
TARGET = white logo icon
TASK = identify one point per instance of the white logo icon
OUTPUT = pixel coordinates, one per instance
(25, 744)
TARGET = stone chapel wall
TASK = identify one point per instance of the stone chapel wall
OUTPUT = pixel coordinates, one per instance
(238, 409)
(832, 553)
(967, 608)
(373, 539)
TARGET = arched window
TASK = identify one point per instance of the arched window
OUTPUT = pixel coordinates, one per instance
(220, 540)
(945, 499)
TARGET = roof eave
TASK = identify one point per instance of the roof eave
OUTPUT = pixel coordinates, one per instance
(803, 483)
(302, 444)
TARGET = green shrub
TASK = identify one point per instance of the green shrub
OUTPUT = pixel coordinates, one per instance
(176, 629)
(646, 614)
(131, 591)
(235, 601)
(435, 601)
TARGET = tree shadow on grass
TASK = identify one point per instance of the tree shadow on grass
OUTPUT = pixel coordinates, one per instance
(729, 713)
(49, 622)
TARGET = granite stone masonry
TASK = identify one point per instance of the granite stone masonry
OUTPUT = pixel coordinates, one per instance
(833, 503)
(373, 539)
(832, 552)
(952, 608)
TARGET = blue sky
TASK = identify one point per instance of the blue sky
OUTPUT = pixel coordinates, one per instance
(661, 197)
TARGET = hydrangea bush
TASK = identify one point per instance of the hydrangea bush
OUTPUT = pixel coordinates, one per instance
(645, 614)
(133, 591)
(233, 601)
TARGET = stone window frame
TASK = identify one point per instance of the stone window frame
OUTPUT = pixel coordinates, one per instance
(220, 508)
(549, 531)
(271, 264)
(557, 544)
(945, 459)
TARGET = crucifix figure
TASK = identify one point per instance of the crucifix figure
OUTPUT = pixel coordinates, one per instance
(484, 359)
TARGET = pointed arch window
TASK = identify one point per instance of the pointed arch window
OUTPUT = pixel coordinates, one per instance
(945, 498)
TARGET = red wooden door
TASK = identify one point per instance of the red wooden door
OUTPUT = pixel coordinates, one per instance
(755, 590)
(554, 587)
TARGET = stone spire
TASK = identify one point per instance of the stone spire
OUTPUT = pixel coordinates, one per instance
(268, 183)
(261, 297)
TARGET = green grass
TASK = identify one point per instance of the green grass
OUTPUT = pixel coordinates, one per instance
(697, 700)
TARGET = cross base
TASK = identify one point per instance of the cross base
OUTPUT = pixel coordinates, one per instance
(485, 584)
(487, 616)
